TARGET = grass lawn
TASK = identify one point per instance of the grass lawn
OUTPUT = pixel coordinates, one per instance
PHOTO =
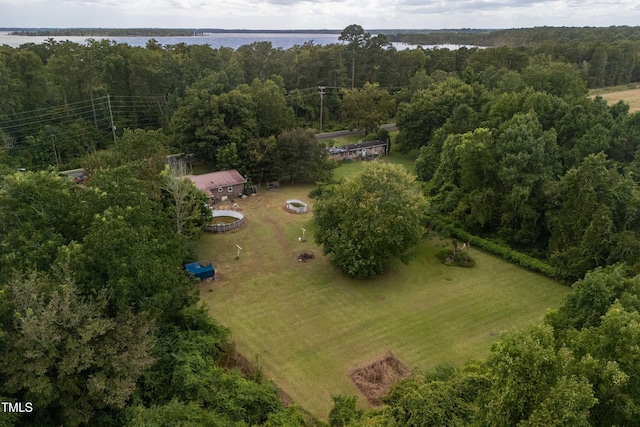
(629, 94)
(348, 169)
(308, 326)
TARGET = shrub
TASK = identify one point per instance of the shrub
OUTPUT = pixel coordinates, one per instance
(456, 258)
(504, 252)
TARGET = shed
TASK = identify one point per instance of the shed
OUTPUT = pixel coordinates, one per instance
(201, 270)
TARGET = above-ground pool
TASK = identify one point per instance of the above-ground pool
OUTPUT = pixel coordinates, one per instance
(224, 220)
(296, 206)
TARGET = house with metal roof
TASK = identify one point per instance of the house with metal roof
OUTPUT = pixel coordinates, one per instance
(216, 185)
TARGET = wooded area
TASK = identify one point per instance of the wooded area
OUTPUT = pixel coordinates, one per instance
(98, 322)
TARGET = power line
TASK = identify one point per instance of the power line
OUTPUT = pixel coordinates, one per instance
(27, 112)
(82, 109)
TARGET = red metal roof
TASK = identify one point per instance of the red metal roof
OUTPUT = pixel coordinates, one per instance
(211, 180)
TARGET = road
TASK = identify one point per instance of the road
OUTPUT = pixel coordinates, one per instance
(330, 135)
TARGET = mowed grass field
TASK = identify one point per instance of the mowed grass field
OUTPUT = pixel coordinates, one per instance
(308, 326)
(630, 95)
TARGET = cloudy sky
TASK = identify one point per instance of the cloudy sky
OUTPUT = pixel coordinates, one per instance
(317, 14)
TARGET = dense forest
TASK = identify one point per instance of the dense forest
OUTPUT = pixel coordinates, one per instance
(99, 325)
(516, 37)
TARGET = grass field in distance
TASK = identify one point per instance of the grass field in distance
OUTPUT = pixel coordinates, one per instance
(628, 93)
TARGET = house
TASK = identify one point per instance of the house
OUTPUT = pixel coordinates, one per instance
(361, 150)
(201, 270)
(221, 184)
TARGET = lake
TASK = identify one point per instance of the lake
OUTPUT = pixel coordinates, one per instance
(215, 40)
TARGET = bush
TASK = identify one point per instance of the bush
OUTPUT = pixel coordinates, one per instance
(504, 252)
(456, 258)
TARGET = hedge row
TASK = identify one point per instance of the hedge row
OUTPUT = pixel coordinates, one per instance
(504, 252)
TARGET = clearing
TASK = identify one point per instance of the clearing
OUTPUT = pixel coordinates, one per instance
(310, 328)
(629, 94)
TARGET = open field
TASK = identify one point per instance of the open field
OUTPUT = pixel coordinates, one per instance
(308, 326)
(628, 94)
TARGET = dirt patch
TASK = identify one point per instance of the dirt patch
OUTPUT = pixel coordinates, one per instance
(375, 379)
(305, 257)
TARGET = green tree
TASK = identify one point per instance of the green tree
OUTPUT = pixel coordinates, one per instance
(344, 411)
(366, 108)
(435, 400)
(65, 354)
(555, 78)
(526, 158)
(593, 223)
(301, 157)
(523, 367)
(430, 108)
(356, 38)
(370, 219)
(567, 404)
(38, 214)
(260, 159)
(187, 205)
(206, 120)
(258, 60)
(273, 115)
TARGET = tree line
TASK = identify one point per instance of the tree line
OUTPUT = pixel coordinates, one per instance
(63, 99)
(518, 37)
(531, 161)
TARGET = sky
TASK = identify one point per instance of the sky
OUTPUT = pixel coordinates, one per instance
(317, 14)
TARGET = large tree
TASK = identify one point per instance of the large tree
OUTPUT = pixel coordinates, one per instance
(64, 353)
(366, 108)
(356, 38)
(370, 219)
(300, 157)
(595, 222)
(450, 101)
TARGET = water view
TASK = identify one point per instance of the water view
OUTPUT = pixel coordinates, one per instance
(215, 40)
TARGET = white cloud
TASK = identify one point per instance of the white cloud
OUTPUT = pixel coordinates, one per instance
(300, 14)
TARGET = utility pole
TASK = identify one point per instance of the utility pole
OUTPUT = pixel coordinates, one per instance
(113, 126)
(321, 89)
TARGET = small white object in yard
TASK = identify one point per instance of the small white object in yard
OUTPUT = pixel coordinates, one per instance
(299, 239)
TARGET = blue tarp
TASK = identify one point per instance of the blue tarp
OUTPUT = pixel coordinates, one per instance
(200, 271)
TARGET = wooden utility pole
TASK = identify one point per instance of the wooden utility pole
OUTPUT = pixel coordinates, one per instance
(321, 89)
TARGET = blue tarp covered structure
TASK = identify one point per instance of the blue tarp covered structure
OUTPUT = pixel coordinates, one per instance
(201, 271)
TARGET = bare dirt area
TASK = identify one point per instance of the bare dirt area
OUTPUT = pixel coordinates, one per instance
(306, 257)
(375, 379)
